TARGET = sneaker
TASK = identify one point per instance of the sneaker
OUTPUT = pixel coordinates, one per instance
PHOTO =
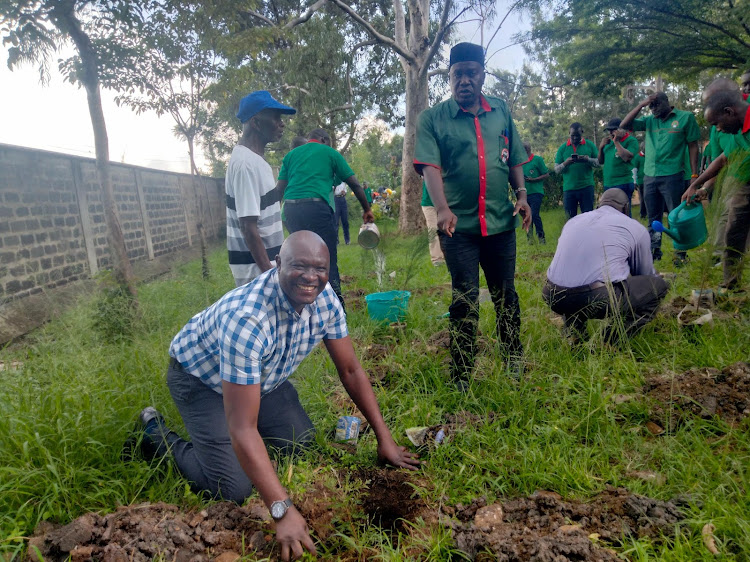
(149, 435)
(438, 263)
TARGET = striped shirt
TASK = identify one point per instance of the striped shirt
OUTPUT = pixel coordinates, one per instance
(250, 193)
(253, 335)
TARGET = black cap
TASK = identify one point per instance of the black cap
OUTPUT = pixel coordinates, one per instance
(464, 52)
(613, 124)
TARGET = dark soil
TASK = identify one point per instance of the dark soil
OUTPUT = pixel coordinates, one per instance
(544, 528)
(704, 393)
(390, 500)
(354, 298)
(672, 309)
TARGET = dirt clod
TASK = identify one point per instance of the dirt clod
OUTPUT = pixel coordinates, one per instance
(390, 499)
(544, 528)
(701, 392)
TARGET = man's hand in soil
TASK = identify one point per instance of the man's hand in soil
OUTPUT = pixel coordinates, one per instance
(293, 535)
(400, 457)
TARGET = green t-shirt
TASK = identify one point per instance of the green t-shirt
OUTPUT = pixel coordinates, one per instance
(474, 155)
(719, 143)
(311, 170)
(738, 153)
(638, 162)
(534, 168)
(579, 174)
(426, 201)
(666, 141)
(368, 194)
(616, 171)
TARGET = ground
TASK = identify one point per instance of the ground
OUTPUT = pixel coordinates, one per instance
(640, 452)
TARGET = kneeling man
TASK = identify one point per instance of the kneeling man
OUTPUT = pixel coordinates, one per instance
(603, 269)
(228, 377)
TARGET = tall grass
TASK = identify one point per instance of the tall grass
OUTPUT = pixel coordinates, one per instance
(66, 412)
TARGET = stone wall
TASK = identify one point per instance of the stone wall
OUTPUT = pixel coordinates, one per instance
(52, 227)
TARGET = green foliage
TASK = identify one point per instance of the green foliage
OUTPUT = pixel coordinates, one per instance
(376, 159)
(115, 314)
(611, 44)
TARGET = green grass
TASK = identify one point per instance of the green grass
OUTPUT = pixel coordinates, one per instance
(66, 413)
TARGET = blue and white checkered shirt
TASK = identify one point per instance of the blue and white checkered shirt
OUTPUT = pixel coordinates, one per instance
(253, 335)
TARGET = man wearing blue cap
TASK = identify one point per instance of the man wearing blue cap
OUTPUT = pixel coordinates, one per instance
(254, 231)
(468, 150)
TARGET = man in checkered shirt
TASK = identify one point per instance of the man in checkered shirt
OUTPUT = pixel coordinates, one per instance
(228, 377)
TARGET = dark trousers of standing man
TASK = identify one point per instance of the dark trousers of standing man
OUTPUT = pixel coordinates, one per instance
(342, 217)
(535, 202)
(662, 194)
(315, 214)
(464, 253)
(738, 227)
(634, 301)
(574, 198)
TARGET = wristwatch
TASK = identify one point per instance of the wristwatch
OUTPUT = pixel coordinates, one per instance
(279, 508)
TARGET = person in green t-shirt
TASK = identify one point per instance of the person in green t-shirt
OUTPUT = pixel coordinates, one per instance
(534, 173)
(307, 176)
(368, 192)
(668, 132)
(616, 152)
(575, 160)
(430, 217)
(730, 114)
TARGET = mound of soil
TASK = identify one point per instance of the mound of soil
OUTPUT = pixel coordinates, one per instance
(705, 393)
(672, 309)
(544, 528)
(224, 531)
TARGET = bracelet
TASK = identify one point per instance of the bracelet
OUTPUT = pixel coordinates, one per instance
(519, 190)
(694, 176)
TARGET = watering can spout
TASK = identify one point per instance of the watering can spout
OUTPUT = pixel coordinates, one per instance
(659, 227)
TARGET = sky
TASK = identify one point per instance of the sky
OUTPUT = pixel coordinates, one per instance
(55, 116)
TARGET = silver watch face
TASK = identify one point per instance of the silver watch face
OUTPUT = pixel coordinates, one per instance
(278, 509)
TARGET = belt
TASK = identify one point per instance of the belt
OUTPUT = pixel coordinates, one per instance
(306, 200)
(573, 290)
(341, 195)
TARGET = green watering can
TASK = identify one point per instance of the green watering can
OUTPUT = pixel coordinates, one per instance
(687, 226)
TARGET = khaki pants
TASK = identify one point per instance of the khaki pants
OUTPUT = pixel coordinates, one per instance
(430, 216)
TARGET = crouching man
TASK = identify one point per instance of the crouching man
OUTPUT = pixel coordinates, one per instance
(603, 268)
(228, 377)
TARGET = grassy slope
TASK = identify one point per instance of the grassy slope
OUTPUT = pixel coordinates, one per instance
(66, 413)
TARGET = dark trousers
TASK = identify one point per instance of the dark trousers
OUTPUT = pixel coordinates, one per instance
(634, 301)
(208, 461)
(642, 197)
(628, 188)
(464, 253)
(738, 227)
(662, 194)
(342, 217)
(583, 197)
(535, 202)
(318, 217)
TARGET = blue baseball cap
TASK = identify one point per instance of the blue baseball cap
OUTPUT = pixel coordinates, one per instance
(256, 102)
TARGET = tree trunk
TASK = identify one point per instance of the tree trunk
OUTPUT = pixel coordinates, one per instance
(199, 208)
(410, 219)
(66, 20)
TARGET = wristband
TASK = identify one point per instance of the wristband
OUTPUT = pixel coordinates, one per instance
(694, 176)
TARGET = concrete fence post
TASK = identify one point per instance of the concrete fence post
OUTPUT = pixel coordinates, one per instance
(144, 213)
(83, 210)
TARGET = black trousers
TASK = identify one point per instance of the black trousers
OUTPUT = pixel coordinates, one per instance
(634, 300)
(464, 253)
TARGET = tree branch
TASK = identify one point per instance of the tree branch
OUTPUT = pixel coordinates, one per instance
(260, 16)
(388, 41)
(500, 25)
(306, 16)
(442, 30)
